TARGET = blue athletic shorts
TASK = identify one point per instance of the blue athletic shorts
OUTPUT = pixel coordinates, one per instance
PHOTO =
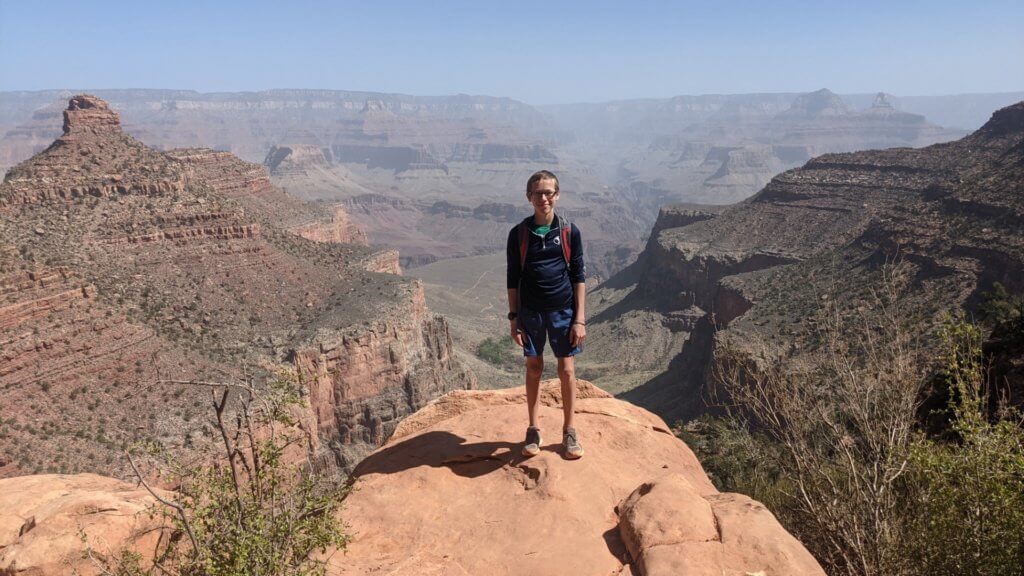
(554, 325)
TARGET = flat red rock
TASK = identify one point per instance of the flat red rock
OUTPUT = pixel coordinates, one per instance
(450, 494)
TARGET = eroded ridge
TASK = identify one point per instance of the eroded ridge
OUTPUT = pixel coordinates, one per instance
(128, 268)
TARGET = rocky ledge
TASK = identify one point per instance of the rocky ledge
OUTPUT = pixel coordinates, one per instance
(451, 494)
(49, 522)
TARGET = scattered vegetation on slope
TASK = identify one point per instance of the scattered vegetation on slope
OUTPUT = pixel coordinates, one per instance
(833, 442)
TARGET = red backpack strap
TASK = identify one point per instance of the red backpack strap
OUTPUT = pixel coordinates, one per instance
(566, 231)
(524, 244)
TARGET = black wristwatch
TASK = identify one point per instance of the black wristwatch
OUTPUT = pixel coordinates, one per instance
(512, 315)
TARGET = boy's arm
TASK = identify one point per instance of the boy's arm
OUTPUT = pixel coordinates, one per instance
(579, 294)
(578, 330)
(578, 276)
(513, 325)
(512, 283)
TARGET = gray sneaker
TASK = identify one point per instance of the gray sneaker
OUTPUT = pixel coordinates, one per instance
(573, 450)
(532, 445)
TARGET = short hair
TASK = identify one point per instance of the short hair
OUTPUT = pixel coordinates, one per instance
(537, 177)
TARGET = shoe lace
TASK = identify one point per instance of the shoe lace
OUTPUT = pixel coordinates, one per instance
(570, 436)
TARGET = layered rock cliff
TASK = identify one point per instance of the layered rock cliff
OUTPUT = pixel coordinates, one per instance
(722, 149)
(249, 123)
(127, 270)
(295, 160)
(79, 374)
(765, 268)
(363, 382)
(249, 185)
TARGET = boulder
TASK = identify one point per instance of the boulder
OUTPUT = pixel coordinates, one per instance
(52, 523)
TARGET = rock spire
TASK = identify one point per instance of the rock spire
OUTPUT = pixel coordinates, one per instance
(88, 114)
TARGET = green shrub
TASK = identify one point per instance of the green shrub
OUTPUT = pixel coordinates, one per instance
(251, 512)
(1000, 306)
(950, 505)
(736, 459)
(497, 352)
(967, 497)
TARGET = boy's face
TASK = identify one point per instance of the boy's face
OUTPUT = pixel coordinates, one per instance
(543, 197)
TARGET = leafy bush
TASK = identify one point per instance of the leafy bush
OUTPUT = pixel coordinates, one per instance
(1000, 306)
(967, 497)
(497, 352)
(830, 443)
(736, 458)
(250, 512)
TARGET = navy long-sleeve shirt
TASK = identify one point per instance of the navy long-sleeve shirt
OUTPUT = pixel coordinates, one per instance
(546, 282)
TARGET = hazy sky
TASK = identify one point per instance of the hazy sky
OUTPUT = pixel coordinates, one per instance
(538, 52)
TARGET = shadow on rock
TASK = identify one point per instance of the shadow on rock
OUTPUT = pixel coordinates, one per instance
(613, 539)
(438, 449)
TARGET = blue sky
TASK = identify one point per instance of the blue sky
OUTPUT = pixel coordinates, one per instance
(538, 52)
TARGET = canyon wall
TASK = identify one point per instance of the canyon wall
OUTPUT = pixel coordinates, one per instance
(763, 270)
(128, 273)
(250, 185)
(363, 383)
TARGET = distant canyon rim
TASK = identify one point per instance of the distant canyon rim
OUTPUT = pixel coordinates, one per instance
(442, 177)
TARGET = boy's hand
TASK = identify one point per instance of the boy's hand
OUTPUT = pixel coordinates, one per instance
(517, 335)
(577, 334)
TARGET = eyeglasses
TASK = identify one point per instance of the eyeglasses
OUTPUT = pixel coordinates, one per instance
(548, 195)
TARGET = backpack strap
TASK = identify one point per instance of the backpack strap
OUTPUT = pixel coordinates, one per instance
(524, 242)
(565, 230)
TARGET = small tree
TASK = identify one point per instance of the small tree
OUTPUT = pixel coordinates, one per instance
(843, 418)
(496, 351)
(250, 512)
(999, 306)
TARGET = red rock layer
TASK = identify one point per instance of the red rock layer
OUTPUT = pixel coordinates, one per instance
(200, 280)
(249, 185)
(89, 115)
(340, 229)
(79, 379)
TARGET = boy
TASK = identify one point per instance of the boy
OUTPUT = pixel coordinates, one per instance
(546, 294)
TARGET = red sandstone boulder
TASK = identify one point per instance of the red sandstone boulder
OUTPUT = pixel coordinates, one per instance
(450, 494)
(669, 529)
(44, 518)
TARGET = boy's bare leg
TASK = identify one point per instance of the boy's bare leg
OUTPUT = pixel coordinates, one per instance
(534, 370)
(567, 374)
